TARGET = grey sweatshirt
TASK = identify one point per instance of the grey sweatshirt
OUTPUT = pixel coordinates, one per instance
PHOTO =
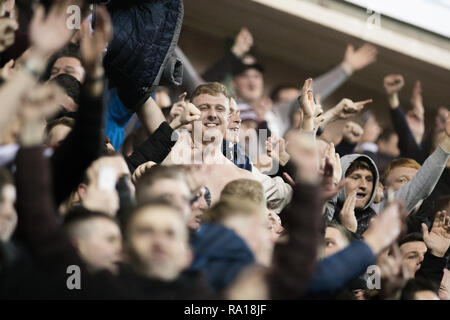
(419, 188)
(324, 85)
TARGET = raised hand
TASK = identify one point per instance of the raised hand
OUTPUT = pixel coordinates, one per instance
(37, 105)
(93, 46)
(141, 170)
(242, 43)
(359, 59)
(347, 214)
(352, 132)
(416, 96)
(49, 33)
(393, 83)
(8, 28)
(385, 228)
(307, 99)
(347, 108)
(8, 70)
(438, 239)
(328, 186)
(305, 157)
(308, 106)
(276, 149)
(183, 112)
(41, 102)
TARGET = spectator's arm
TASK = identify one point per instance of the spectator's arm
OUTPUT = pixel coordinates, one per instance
(155, 148)
(302, 222)
(423, 183)
(406, 142)
(82, 146)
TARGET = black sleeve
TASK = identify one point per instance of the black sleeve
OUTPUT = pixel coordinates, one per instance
(80, 148)
(288, 168)
(155, 148)
(222, 68)
(432, 268)
(294, 261)
(406, 142)
(345, 147)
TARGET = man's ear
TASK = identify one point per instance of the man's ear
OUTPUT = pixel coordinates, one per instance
(81, 190)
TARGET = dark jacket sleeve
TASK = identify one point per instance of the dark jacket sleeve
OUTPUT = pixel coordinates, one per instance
(335, 272)
(81, 147)
(40, 228)
(406, 142)
(155, 148)
(432, 268)
(344, 148)
(38, 223)
(288, 168)
(222, 68)
(294, 261)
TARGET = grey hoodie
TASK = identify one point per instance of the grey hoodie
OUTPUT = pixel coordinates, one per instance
(419, 188)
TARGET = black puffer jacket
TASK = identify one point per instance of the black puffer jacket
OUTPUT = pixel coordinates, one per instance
(140, 55)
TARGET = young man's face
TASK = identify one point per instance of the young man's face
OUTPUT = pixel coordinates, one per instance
(362, 181)
(234, 124)
(249, 85)
(214, 116)
(400, 176)
(412, 255)
(157, 242)
(68, 65)
(8, 214)
(334, 241)
(101, 245)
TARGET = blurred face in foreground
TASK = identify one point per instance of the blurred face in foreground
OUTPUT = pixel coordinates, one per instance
(173, 190)
(99, 243)
(157, 242)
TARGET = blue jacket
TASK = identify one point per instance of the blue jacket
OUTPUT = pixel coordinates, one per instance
(335, 272)
(140, 55)
(235, 153)
(220, 253)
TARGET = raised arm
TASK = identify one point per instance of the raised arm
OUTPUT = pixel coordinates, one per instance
(83, 144)
(354, 60)
(423, 183)
(407, 144)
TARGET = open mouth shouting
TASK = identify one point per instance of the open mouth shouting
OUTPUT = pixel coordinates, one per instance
(361, 195)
